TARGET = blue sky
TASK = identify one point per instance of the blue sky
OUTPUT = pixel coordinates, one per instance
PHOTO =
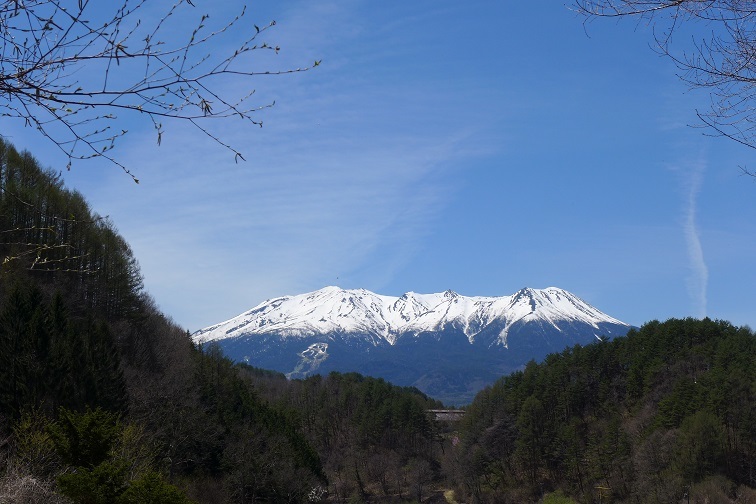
(479, 146)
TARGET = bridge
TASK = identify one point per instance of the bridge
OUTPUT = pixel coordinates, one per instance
(447, 415)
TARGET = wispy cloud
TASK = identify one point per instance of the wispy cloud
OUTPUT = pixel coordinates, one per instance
(298, 216)
(341, 186)
(336, 190)
(699, 277)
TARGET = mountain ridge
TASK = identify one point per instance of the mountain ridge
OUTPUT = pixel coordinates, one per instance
(447, 345)
(332, 309)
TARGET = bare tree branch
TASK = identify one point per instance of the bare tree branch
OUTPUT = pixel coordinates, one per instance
(721, 59)
(69, 70)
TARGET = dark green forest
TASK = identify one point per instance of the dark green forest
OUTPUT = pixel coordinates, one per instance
(661, 414)
(104, 399)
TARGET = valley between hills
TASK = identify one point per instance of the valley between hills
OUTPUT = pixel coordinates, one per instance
(104, 399)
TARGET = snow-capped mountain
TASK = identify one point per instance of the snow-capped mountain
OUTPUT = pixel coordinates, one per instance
(410, 339)
(364, 313)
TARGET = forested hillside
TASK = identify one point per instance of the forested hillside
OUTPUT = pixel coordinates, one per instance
(105, 400)
(666, 411)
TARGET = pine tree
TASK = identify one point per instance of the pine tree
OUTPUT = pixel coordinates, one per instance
(15, 353)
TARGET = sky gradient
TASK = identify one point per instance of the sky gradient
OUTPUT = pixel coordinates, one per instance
(476, 146)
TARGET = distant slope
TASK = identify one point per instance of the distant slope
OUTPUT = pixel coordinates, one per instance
(447, 345)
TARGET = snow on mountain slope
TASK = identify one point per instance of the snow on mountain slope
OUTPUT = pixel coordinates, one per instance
(364, 314)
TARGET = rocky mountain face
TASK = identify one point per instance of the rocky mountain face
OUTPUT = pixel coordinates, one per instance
(447, 345)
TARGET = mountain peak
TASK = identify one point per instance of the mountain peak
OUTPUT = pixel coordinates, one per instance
(446, 344)
(363, 313)
(450, 294)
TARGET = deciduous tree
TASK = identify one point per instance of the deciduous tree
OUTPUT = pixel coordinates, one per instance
(74, 70)
(712, 43)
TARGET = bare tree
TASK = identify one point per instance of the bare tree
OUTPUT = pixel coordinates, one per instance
(73, 68)
(720, 53)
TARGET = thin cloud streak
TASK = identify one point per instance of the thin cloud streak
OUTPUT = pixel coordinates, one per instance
(226, 238)
(325, 197)
(699, 279)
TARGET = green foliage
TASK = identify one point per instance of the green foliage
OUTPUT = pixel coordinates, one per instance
(106, 465)
(700, 446)
(256, 372)
(151, 488)
(532, 437)
(640, 415)
(213, 424)
(85, 439)
(101, 484)
(364, 431)
(34, 447)
(47, 360)
(684, 400)
(557, 498)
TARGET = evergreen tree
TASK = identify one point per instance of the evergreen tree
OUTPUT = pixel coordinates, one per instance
(16, 353)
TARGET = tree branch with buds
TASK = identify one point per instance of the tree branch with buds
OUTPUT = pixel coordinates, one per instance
(74, 72)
